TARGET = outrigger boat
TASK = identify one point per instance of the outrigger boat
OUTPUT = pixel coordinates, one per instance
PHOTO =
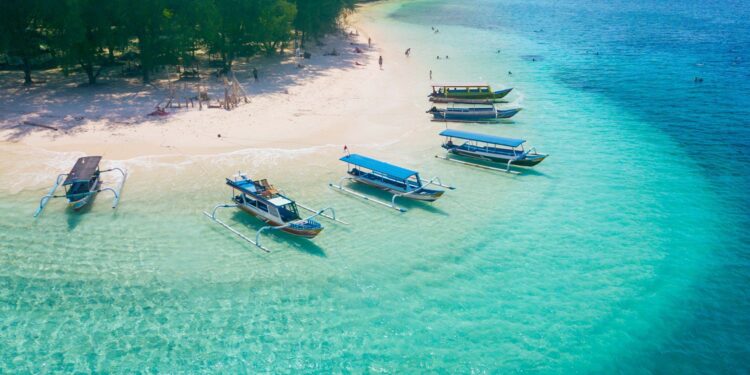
(262, 200)
(400, 182)
(467, 93)
(479, 114)
(508, 151)
(81, 184)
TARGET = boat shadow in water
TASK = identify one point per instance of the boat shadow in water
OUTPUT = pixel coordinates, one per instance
(517, 171)
(250, 226)
(385, 196)
(75, 217)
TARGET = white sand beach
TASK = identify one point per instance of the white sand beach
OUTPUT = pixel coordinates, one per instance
(332, 100)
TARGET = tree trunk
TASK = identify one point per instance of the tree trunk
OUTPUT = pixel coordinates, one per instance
(27, 72)
(145, 63)
(89, 69)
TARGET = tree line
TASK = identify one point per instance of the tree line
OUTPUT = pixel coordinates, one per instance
(92, 34)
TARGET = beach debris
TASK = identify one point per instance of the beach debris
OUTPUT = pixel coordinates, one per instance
(159, 111)
(29, 123)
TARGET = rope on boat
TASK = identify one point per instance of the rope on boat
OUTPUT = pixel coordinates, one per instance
(339, 187)
(506, 170)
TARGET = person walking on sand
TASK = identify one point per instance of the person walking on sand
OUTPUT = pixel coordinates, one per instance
(369, 42)
(408, 51)
(255, 74)
(380, 61)
(430, 75)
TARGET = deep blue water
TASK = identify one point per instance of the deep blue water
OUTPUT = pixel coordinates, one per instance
(643, 57)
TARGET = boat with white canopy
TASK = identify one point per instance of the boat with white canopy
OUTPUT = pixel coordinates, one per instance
(263, 201)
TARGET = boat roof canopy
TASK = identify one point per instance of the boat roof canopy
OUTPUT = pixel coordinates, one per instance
(509, 142)
(246, 186)
(470, 84)
(83, 170)
(279, 201)
(378, 166)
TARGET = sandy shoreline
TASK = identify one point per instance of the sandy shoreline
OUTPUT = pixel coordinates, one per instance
(332, 101)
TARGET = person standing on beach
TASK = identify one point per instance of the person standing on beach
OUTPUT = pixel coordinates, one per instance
(430, 74)
(255, 74)
(380, 61)
(369, 42)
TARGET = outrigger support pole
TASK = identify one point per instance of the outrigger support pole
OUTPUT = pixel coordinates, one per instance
(332, 216)
(50, 194)
(506, 170)
(436, 181)
(118, 191)
(256, 242)
(339, 187)
(212, 216)
(431, 182)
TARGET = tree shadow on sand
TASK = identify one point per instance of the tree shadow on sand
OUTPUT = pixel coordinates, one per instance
(117, 102)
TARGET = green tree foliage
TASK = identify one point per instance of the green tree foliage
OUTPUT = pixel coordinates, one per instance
(88, 29)
(274, 22)
(24, 32)
(91, 33)
(317, 17)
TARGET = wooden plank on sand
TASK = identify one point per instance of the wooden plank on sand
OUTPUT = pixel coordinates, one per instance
(29, 123)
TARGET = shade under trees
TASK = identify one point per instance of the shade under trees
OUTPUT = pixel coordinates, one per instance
(91, 34)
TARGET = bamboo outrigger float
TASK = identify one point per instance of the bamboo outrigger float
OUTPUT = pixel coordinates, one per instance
(400, 182)
(506, 151)
(81, 184)
(261, 200)
(466, 93)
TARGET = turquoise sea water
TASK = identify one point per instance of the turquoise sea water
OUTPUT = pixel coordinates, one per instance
(625, 251)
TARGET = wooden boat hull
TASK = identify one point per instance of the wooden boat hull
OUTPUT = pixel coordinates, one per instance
(425, 195)
(528, 161)
(306, 233)
(499, 94)
(440, 99)
(77, 204)
(474, 115)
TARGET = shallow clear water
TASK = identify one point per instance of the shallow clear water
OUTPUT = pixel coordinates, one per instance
(625, 251)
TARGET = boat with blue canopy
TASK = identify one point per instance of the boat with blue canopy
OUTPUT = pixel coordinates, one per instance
(509, 151)
(400, 182)
(467, 93)
(82, 184)
(472, 114)
(263, 201)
